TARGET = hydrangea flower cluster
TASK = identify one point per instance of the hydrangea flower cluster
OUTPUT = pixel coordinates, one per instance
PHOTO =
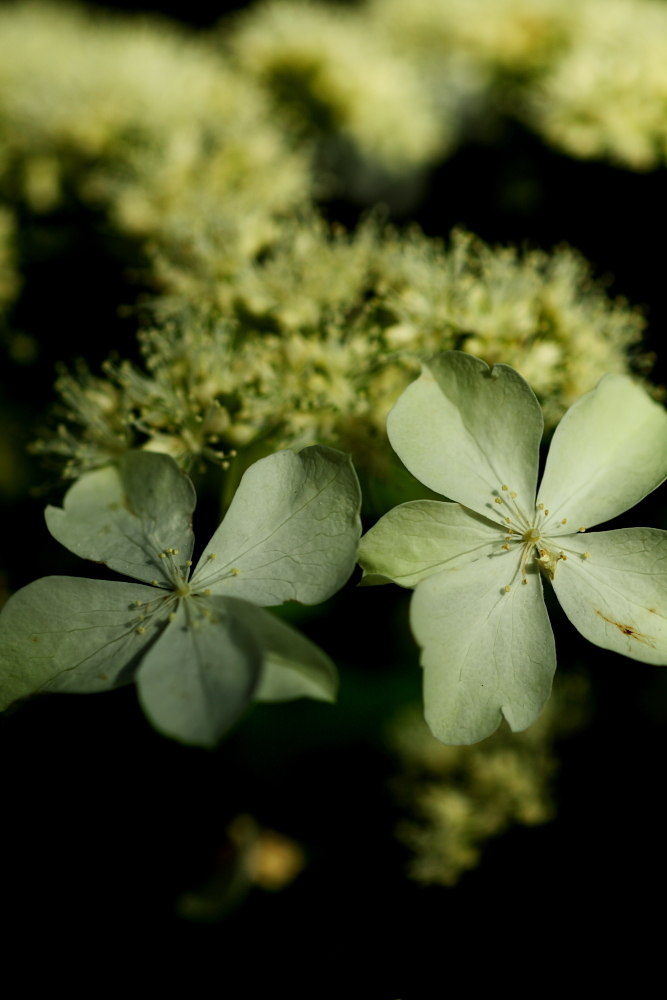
(328, 330)
(196, 641)
(336, 79)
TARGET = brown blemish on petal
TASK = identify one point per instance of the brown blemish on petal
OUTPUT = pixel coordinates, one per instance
(653, 611)
(628, 630)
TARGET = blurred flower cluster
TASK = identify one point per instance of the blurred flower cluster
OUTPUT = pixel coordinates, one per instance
(338, 81)
(326, 330)
(605, 96)
(401, 84)
(141, 120)
(459, 797)
(268, 328)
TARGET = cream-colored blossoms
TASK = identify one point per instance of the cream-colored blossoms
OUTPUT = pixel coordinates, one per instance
(322, 336)
(457, 798)
(606, 95)
(517, 37)
(332, 76)
(147, 121)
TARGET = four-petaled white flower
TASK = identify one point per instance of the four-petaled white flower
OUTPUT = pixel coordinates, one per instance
(198, 644)
(472, 433)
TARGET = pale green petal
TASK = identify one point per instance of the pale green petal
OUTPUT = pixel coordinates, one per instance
(292, 530)
(465, 430)
(63, 633)
(126, 515)
(197, 680)
(294, 667)
(486, 653)
(607, 453)
(419, 538)
(617, 595)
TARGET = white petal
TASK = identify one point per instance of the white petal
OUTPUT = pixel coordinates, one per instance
(607, 453)
(617, 596)
(486, 653)
(200, 676)
(419, 538)
(464, 430)
(126, 515)
(64, 633)
(294, 667)
(292, 530)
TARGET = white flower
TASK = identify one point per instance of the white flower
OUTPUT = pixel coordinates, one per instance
(472, 433)
(198, 644)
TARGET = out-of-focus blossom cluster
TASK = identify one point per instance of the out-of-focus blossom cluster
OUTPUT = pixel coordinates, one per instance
(325, 331)
(484, 39)
(606, 95)
(404, 82)
(588, 75)
(335, 79)
(145, 121)
(201, 143)
(269, 329)
(459, 797)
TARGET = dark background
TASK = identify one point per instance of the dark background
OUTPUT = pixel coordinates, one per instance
(105, 822)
